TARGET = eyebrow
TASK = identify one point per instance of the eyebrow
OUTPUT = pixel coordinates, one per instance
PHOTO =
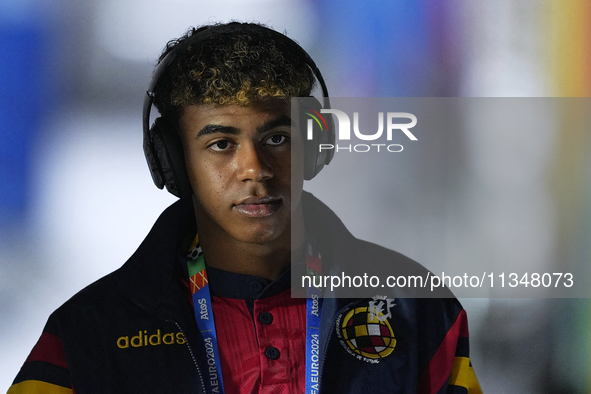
(283, 120)
(212, 129)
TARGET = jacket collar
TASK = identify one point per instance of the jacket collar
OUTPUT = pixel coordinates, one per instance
(152, 276)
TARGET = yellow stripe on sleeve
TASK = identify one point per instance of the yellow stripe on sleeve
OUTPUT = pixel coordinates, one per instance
(463, 375)
(37, 387)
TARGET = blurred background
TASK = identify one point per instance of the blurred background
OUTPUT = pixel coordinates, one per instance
(77, 199)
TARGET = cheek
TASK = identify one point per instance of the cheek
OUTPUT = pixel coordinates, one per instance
(206, 180)
(297, 169)
(208, 185)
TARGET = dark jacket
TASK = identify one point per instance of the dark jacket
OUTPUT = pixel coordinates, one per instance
(134, 330)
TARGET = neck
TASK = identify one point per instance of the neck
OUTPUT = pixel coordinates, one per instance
(266, 260)
(259, 260)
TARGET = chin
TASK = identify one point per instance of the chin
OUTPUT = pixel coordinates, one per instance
(261, 234)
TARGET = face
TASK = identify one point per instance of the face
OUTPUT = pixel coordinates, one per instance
(239, 164)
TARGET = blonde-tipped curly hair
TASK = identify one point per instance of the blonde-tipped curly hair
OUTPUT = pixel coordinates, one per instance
(234, 68)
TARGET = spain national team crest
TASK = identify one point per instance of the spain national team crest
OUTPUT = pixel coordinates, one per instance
(365, 331)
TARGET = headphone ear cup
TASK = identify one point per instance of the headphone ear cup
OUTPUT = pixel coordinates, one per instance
(152, 157)
(315, 157)
(168, 168)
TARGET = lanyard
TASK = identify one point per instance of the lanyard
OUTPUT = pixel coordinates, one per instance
(313, 311)
(206, 324)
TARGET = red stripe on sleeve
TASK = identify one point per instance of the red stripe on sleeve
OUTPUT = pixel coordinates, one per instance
(439, 368)
(463, 324)
(50, 350)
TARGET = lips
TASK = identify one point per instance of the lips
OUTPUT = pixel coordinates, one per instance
(258, 207)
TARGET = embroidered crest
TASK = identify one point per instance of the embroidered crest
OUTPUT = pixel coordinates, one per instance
(365, 331)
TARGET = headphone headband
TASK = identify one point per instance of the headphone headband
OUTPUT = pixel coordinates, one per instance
(230, 28)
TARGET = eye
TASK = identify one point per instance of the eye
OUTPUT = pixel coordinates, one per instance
(219, 145)
(276, 139)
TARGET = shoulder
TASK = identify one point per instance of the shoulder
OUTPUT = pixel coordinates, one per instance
(150, 270)
(391, 271)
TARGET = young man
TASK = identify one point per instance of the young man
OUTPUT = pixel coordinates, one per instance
(204, 305)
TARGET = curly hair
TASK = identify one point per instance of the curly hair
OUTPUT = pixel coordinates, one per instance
(234, 67)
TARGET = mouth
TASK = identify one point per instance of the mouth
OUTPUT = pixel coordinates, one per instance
(258, 207)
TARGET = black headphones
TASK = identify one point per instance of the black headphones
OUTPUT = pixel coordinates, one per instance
(162, 145)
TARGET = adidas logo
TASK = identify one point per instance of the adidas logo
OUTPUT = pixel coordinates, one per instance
(143, 339)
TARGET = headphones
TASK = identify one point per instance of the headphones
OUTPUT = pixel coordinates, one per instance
(162, 145)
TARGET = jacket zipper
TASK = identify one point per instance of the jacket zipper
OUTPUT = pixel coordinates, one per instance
(192, 356)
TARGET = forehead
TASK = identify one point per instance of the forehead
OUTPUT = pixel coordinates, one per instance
(257, 113)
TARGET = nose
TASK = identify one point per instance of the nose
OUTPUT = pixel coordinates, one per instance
(252, 165)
